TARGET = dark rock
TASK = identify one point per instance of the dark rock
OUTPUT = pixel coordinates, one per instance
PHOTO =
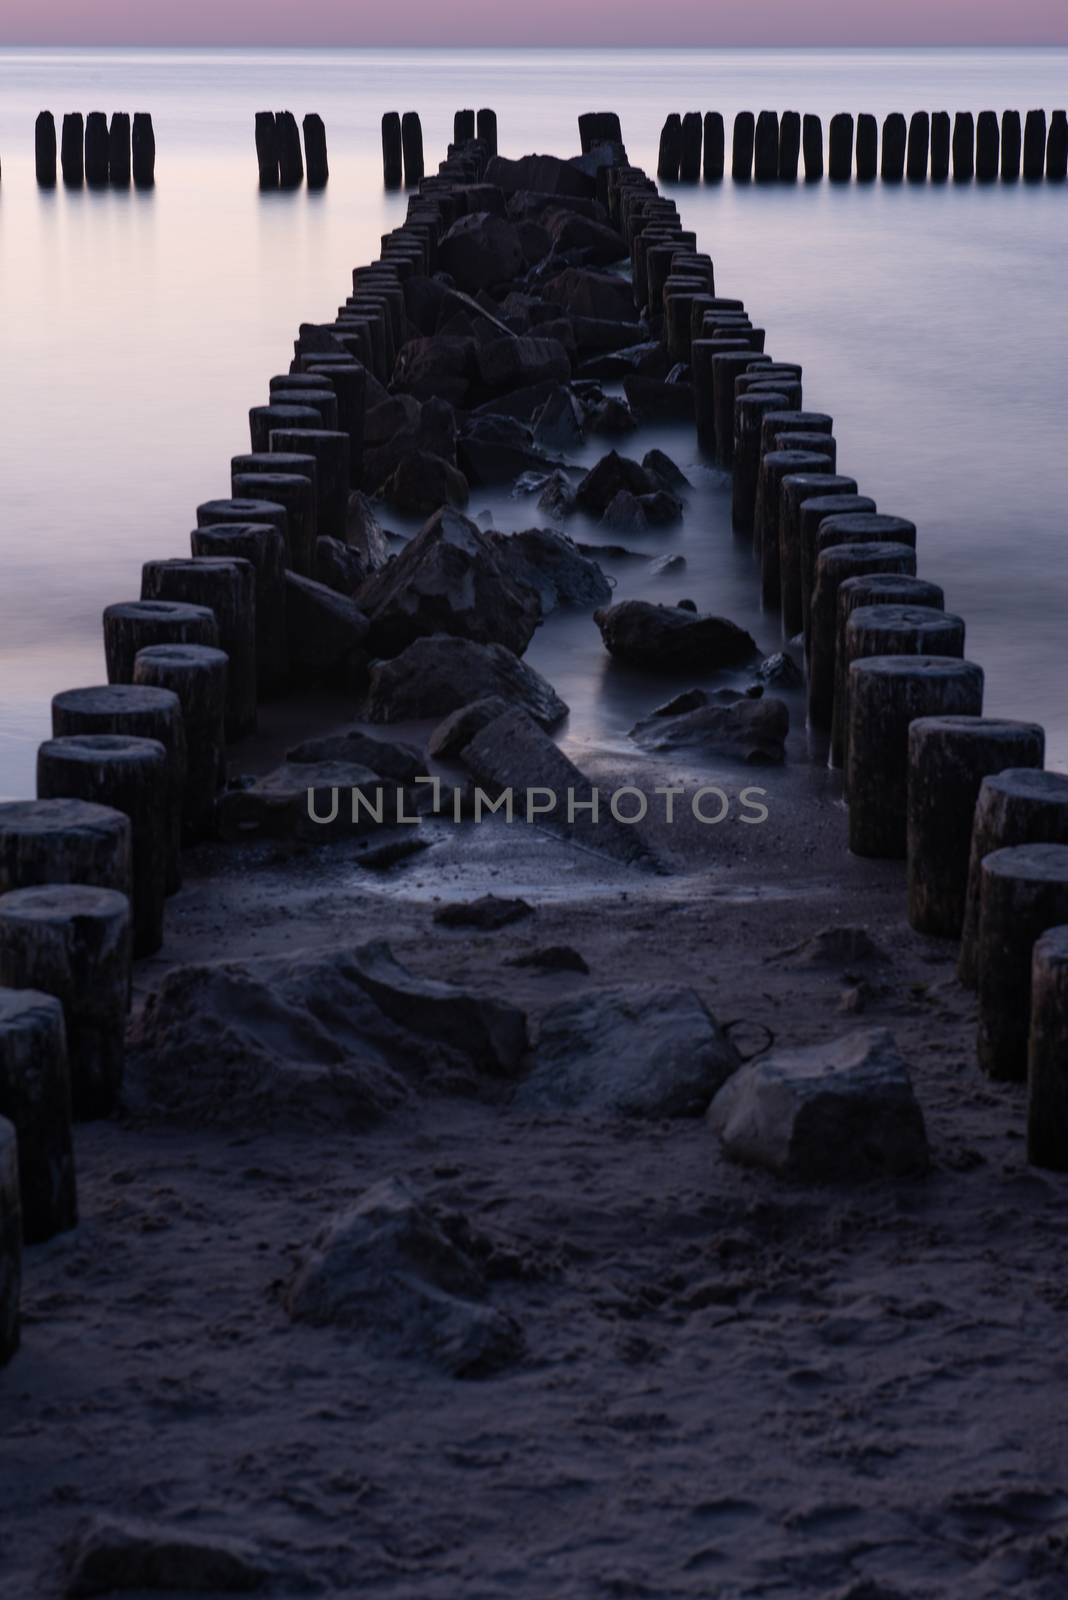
(552, 564)
(325, 632)
(436, 367)
(663, 469)
(109, 1554)
(480, 250)
(423, 483)
(507, 364)
(558, 424)
(364, 533)
(725, 724)
(380, 855)
(835, 948)
(497, 450)
(535, 241)
(583, 293)
(612, 417)
(672, 639)
(661, 509)
(388, 1269)
(521, 403)
(659, 401)
(666, 566)
(624, 512)
(557, 495)
(649, 359)
(780, 670)
(551, 958)
(569, 231)
(310, 801)
(437, 675)
(839, 1110)
(338, 566)
(401, 763)
(596, 491)
(448, 579)
(543, 174)
(487, 914)
(459, 727)
(642, 1051)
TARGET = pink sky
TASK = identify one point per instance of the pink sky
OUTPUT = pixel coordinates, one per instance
(461, 22)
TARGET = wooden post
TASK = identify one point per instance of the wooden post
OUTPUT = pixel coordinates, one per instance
(64, 841)
(987, 147)
(869, 589)
(144, 151)
(742, 154)
(119, 150)
(840, 167)
(895, 141)
(1057, 148)
(97, 146)
(1023, 892)
(775, 465)
(789, 145)
(1047, 1054)
(963, 147)
(812, 146)
(948, 759)
(1011, 146)
(315, 154)
(227, 587)
(727, 364)
(883, 628)
(392, 148)
(288, 485)
(35, 1098)
(73, 942)
(196, 674)
(330, 451)
(10, 1243)
(867, 148)
(264, 548)
(412, 149)
(264, 420)
(834, 565)
(133, 625)
(940, 142)
(1018, 806)
(463, 127)
(794, 493)
(72, 149)
(349, 383)
(44, 140)
(919, 146)
(267, 149)
(690, 159)
(1034, 146)
(669, 158)
(749, 412)
(714, 145)
(766, 147)
(812, 514)
(290, 158)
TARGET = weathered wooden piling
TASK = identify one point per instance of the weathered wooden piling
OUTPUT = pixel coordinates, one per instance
(702, 354)
(35, 1098)
(886, 695)
(265, 420)
(134, 625)
(1011, 146)
(690, 158)
(812, 147)
(349, 383)
(290, 157)
(97, 148)
(824, 444)
(713, 146)
(292, 485)
(264, 548)
(794, 493)
(463, 126)
(940, 146)
(963, 147)
(412, 149)
(136, 713)
(119, 150)
(321, 400)
(196, 674)
(1057, 148)
(597, 127)
(1034, 146)
(267, 149)
(392, 150)
(834, 564)
(766, 147)
(316, 160)
(840, 163)
(1047, 1053)
(775, 465)
(948, 759)
(792, 420)
(72, 149)
(812, 513)
(44, 143)
(870, 589)
(1023, 892)
(867, 148)
(1017, 806)
(669, 158)
(789, 145)
(895, 144)
(987, 146)
(742, 153)
(749, 412)
(886, 628)
(132, 775)
(10, 1242)
(227, 587)
(144, 151)
(918, 146)
(73, 941)
(211, 512)
(64, 841)
(330, 451)
(726, 366)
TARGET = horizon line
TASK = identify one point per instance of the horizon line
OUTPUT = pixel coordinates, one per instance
(511, 45)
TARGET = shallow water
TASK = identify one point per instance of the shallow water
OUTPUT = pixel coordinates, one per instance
(138, 329)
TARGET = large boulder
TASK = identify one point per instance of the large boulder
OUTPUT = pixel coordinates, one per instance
(656, 401)
(569, 231)
(723, 723)
(672, 638)
(497, 450)
(364, 533)
(611, 475)
(841, 1110)
(338, 566)
(643, 1051)
(437, 675)
(558, 424)
(448, 579)
(552, 564)
(422, 482)
(585, 293)
(480, 250)
(390, 1269)
(326, 633)
(401, 763)
(440, 367)
(517, 363)
(110, 1554)
(310, 801)
(547, 175)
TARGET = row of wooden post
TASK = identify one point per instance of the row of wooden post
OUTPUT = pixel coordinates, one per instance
(402, 142)
(95, 152)
(772, 148)
(281, 162)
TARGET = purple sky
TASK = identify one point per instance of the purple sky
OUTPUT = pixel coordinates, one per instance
(618, 22)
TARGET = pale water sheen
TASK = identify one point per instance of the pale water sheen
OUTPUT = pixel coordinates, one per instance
(138, 329)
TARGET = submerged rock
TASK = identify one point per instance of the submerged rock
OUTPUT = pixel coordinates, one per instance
(663, 469)
(558, 424)
(449, 579)
(498, 449)
(612, 475)
(552, 565)
(671, 638)
(110, 1554)
(441, 674)
(724, 723)
(422, 482)
(388, 1269)
(841, 1110)
(642, 1051)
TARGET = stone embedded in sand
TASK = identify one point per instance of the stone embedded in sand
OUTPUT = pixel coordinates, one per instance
(440, 674)
(388, 1268)
(726, 723)
(551, 563)
(311, 801)
(487, 914)
(449, 579)
(551, 958)
(422, 482)
(835, 947)
(327, 633)
(400, 763)
(611, 475)
(480, 250)
(672, 639)
(644, 1051)
(840, 1110)
(109, 1554)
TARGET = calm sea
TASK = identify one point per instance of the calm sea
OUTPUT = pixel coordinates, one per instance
(137, 330)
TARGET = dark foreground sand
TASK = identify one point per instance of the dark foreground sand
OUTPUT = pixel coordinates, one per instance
(731, 1385)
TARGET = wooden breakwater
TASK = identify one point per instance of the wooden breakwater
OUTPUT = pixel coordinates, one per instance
(280, 158)
(95, 151)
(773, 147)
(136, 767)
